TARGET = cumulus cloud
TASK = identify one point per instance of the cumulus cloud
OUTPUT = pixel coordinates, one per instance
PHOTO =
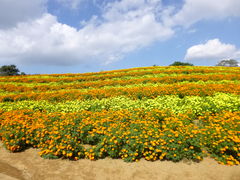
(106, 39)
(31, 35)
(212, 50)
(12, 11)
(196, 10)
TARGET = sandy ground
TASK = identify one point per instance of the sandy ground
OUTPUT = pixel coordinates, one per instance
(29, 165)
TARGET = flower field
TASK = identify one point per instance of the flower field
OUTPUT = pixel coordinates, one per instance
(155, 113)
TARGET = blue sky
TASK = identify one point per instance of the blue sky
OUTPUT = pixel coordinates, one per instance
(75, 36)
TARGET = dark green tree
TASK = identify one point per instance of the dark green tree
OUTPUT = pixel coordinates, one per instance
(228, 63)
(178, 63)
(9, 70)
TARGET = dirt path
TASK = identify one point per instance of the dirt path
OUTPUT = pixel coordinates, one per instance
(28, 165)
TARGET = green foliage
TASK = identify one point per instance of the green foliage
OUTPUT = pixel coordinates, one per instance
(9, 70)
(178, 63)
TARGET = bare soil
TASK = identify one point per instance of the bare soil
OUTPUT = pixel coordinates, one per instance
(29, 165)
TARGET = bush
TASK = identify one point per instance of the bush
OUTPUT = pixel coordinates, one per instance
(9, 70)
(178, 63)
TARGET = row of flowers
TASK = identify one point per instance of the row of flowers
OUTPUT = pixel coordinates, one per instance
(189, 89)
(96, 77)
(162, 68)
(197, 104)
(123, 134)
(121, 82)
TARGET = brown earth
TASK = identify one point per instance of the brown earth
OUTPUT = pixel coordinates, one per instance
(29, 165)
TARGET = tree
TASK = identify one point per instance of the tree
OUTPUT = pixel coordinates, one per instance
(228, 63)
(178, 63)
(9, 70)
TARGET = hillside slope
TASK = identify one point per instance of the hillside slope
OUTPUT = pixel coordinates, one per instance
(167, 113)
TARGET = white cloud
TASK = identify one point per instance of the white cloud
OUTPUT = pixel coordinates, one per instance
(30, 35)
(212, 50)
(46, 41)
(12, 11)
(196, 10)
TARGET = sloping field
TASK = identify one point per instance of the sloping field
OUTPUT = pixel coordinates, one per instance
(155, 113)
